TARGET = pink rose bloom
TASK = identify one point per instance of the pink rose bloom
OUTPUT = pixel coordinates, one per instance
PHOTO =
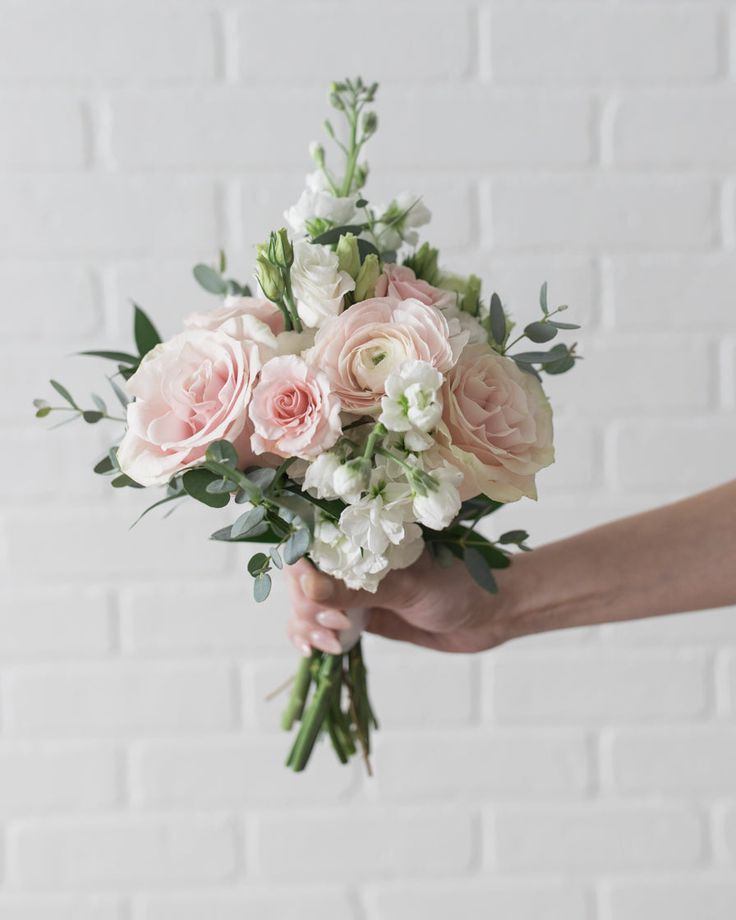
(294, 412)
(189, 392)
(363, 346)
(247, 319)
(400, 282)
(496, 425)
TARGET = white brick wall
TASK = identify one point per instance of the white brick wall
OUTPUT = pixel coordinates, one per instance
(588, 775)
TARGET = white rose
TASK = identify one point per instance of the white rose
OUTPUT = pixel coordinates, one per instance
(318, 201)
(412, 403)
(319, 285)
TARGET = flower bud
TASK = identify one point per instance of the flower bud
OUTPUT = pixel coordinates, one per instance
(317, 153)
(370, 123)
(270, 280)
(283, 252)
(348, 255)
(365, 282)
(471, 299)
(350, 479)
(361, 175)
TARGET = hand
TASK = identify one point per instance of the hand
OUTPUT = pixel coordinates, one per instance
(439, 608)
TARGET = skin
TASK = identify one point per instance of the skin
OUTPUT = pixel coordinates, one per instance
(680, 557)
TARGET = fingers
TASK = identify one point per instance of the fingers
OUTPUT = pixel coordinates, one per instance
(389, 625)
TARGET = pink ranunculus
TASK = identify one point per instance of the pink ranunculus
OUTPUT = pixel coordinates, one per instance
(294, 411)
(496, 425)
(189, 392)
(361, 347)
(400, 282)
(247, 319)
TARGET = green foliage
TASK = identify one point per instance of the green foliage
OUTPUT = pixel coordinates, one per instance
(146, 336)
(195, 484)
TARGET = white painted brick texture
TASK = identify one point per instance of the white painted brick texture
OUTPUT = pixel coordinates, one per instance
(588, 775)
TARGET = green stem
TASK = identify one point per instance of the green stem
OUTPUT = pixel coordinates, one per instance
(291, 303)
(314, 716)
(299, 692)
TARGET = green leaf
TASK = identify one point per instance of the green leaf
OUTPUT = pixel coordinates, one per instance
(120, 357)
(262, 478)
(209, 279)
(558, 325)
(539, 357)
(146, 336)
(366, 248)
(498, 319)
(258, 563)
(222, 262)
(479, 570)
(163, 501)
(195, 484)
(565, 364)
(221, 485)
(119, 392)
(40, 403)
(248, 522)
(261, 534)
(275, 557)
(540, 332)
(261, 587)
(43, 411)
(543, 298)
(296, 546)
(100, 403)
(477, 507)
(331, 236)
(514, 536)
(105, 465)
(91, 417)
(223, 452)
(64, 393)
(123, 481)
(361, 202)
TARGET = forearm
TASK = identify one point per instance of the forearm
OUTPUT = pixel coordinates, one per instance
(677, 558)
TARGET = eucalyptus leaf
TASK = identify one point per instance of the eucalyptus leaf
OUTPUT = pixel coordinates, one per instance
(64, 393)
(558, 325)
(543, 299)
(146, 336)
(105, 465)
(540, 332)
(119, 392)
(163, 501)
(100, 403)
(123, 481)
(258, 563)
(262, 478)
(498, 319)
(221, 485)
(91, 416)
(539, 357)
(513, 536)
(195, 484)
(223, 452)
(248, 522)
(275, 557)
(479, 570)
(261, 534)
(261, 587)
(209, 279)
(296, 546)
(43, 411)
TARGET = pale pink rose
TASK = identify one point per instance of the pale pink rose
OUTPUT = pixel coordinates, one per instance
(189, 392)
(247, 319)
(496, 425)
(294, 412)
(363, 346)
(400, 282)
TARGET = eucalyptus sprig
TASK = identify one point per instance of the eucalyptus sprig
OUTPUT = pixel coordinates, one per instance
(213, 280)
(91, 416)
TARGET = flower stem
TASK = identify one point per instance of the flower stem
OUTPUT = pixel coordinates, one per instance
(315, 714)
(299, 691)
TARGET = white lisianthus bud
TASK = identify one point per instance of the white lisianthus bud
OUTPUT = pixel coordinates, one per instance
(436, 507)
(319, 285)
(319, 477)
(350, 479)
(412, 404)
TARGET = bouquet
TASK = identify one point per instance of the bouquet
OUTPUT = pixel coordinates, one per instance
(361, 407)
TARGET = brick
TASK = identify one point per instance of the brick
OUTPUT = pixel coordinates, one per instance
(61, 907)
(443, 34)
(592, 686)
(121, 851)
(396, 843)
(76, 313)
(98, 543)
(233, 773)
(41, 779)
(706, 897)
(683, 762)
(107, 215)
(464, 766)
(117, 698)
(643, 452)
(704, 628)
(212, 618)
(473, 898)
(615, 212)
(676, 129)
(577, 459)
(43, 43)
(42, 130)
(595, 837)
(51, 622)
(692, 288)
(292, 903)
(584, 44)
(729, 832)
(196, 129)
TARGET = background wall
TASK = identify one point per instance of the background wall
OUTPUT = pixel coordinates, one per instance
(587, 775)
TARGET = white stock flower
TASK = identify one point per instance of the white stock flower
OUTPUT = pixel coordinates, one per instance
(413, 404)
(318, 201)
(435, 508)
(319, 476)
(350, 480)
(377, 521)
(408, 551)
(399, 220)
(319, 285)
(336, 554)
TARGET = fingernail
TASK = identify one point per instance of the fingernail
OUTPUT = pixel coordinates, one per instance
(326, 641)
(303, 647)
(316, 587)
(332, 619)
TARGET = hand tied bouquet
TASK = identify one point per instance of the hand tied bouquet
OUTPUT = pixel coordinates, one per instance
(362, 407)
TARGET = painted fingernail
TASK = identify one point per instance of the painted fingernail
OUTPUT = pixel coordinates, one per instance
(324, 640)
(302, 646)
(332, 619)
(316, 587)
